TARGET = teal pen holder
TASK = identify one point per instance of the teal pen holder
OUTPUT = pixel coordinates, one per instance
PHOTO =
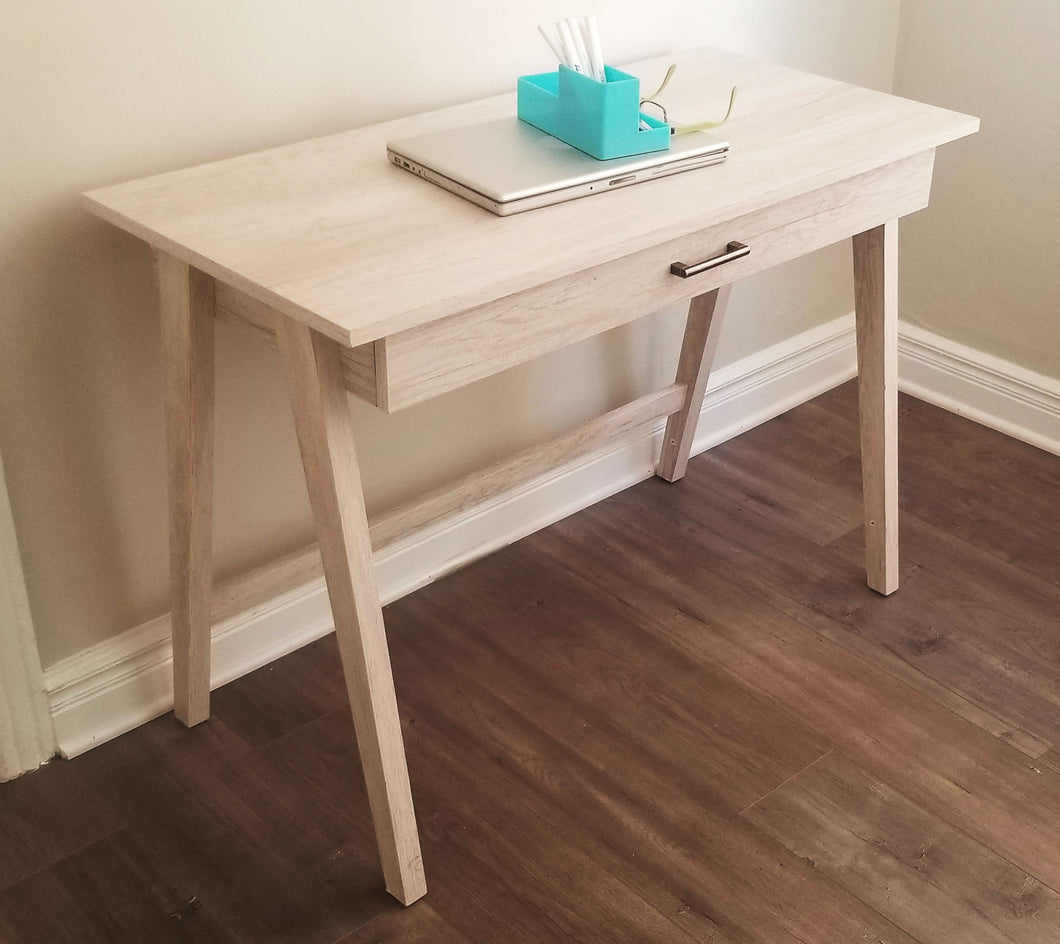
(599, 118)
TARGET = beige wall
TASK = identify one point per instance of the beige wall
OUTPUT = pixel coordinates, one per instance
(980, 267)
(100, 92)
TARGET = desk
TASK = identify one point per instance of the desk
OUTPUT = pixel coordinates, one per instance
(374, 282)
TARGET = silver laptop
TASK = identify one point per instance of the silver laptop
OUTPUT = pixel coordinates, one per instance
(508, 166)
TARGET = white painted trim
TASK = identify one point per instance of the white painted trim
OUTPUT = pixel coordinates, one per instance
(111, 688)
(986, 389)
(26, 736)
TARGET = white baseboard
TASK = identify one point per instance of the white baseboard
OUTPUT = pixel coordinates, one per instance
(996, 393)
(125, 681)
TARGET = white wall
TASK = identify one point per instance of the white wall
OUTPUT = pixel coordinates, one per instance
(980, 267)
(100, 92)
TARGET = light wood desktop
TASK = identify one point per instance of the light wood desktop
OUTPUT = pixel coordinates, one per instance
(374, 282)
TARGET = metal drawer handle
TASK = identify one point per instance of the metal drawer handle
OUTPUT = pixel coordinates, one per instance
(732, 251)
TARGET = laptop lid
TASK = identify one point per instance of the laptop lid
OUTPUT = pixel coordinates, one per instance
(508, 166)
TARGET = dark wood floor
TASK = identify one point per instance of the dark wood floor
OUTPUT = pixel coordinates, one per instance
(677, 716)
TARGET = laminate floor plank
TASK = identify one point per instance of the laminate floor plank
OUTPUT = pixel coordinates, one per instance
(631, 686)
(542, 853)
(1013, 477)
(1004, 496)
(949, 626)
(469, 893)
(805, 501)
(299, 691)
(419, 925)
(114, 890)
(998, 591)
(1051, 758)
(931, 879)
(1008, 629)
(475, 808)
(900, 734)
(808, 436)
(46, 817)
(805, 582)
(1014, 532)
(649, 807)
(953, 631)
(264, 853)
(507, 752)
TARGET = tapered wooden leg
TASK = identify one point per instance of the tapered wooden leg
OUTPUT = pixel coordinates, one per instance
(186, 301)
(705, 314)
(876, 308)
(313, 369)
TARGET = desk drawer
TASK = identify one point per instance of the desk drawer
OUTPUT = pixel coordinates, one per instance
(420, 363)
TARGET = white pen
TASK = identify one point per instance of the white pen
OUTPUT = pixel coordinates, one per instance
(553, 46)
(569, 49)
(581, 30)
(596, 50)
(579, 46)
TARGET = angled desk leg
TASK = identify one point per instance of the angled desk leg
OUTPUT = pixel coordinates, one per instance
(313, 368)
(186, 301)
(705, 314)
(876, 308)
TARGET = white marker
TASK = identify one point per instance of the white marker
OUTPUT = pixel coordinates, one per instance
(596, 50)
(552, 45)
(579, 46)
(582, 30)
(570, 51)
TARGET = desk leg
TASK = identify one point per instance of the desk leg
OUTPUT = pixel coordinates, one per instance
(876, 307)
(705, 314)
(313, 367)
(186, 301)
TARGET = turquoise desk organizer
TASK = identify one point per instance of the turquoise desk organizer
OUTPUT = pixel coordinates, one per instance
(600, 118)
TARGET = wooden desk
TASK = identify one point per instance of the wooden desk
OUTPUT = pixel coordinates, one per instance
(375, 282)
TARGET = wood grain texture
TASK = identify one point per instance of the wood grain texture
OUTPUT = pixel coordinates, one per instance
(313, 368)
(785, 478)
(264, 852)
(677, 716)
(876, 314)
(651, 797)
(47, 817)
(940, 884)
(186, 305)
(112, 890)
(422, 926)
(700, 342)
(945, 763)
(287, 226)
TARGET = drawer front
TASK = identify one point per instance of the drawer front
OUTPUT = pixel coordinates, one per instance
(423, 362)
